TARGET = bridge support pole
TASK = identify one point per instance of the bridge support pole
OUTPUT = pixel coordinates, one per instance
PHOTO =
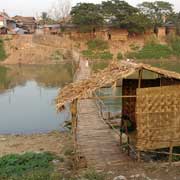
(74, 121)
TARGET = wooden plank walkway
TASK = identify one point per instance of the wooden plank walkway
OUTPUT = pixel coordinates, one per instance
(96, 141)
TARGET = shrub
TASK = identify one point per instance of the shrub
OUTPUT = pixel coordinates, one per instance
(174, 42)
(152, 40)
(57, 55)
(2, 50)
(134, 47)
(119, 56)
(131, 55)
(97, 44)
(18, 165)
(88, 53)
(106, 55)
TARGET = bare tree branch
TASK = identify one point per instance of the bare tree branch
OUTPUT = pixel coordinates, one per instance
(60, 9)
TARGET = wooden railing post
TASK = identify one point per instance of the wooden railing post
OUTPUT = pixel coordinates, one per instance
(74, 121)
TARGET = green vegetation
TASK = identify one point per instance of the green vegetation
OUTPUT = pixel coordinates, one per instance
(87, 14)
(151, 51)
(97, 49)
(27, 166)
(93, 175)
(155, 11)
(134, 47)
(57, 55)
(97, 44)
(154, 50)
(174, 42)
(2, 50)
(104, 55)
(119, 56)
(120, 14)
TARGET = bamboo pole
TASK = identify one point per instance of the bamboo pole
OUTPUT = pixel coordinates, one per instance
(140, 78)
(170, 152)
(139, 86)
(74, 121)
(112, 97)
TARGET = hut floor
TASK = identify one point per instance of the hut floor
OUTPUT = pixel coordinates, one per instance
(96, 142)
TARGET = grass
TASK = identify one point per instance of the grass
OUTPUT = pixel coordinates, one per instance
(97, 49)
(119, 56)
(151, 51)
(2, 50)
(134, 47)
(97, 44)
(91, 174)
(57, 55)
(29, 165)
(104, 55)
(174, 43)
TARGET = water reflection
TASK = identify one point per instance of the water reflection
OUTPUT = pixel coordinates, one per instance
(27, 96)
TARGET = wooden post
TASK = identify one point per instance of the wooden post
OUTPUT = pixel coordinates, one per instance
(170, 152)
(121, 138)
(109, 114)
(139, 156)
(139, 86)
(140, 78)
(74, 120)
(128, 142)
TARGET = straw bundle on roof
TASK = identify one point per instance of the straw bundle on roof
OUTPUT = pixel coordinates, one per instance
(115, 71)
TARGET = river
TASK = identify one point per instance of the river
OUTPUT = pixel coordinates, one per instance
(27, 96)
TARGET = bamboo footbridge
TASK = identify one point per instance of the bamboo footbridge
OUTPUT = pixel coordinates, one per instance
(96, 142)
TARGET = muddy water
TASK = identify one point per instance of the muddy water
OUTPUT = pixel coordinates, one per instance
(27, 96)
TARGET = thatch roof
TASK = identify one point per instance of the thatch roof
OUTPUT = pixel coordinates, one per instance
(24, 20)
(115, 71)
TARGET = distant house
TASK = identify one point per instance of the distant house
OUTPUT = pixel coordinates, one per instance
(3, 22)
(7, 24)
(52, 29)
(107, 32)
(170, 28)
(26, 23)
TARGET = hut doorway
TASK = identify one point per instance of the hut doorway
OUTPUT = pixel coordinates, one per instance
(109, 36)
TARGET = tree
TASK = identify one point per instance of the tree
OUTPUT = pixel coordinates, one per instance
(60, 9)
(44, 15)
(157, 11)
(45, 19)
(175, 19)
(87, 14)
(116, 11)
(121, 14)
(138, 23)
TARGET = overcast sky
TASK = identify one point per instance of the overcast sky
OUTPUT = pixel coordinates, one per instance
(32, 7)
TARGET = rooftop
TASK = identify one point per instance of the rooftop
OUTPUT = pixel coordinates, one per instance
(110, 75)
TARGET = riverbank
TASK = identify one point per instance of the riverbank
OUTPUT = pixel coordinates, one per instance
(31, 49)
(53, 142)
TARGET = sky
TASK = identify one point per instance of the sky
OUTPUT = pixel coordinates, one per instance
(34, 7)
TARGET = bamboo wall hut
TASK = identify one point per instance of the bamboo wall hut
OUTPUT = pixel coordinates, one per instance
(152, 104)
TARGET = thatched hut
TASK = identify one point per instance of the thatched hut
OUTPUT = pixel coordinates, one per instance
(152, 104)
